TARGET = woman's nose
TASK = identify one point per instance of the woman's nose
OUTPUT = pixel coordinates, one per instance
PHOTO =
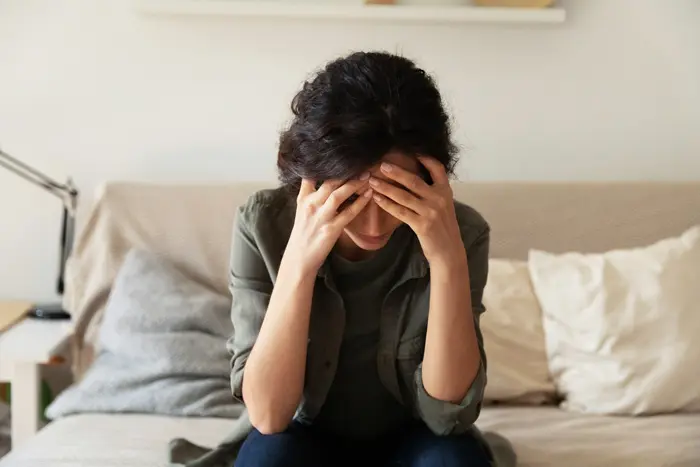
(372, 219)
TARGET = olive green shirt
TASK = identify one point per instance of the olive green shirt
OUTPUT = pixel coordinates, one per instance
(260, 235)
(358, 405)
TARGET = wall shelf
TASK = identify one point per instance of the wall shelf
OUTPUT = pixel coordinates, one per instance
(317, 10)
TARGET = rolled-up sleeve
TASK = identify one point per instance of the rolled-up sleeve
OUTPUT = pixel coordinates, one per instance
(444, 417)
(250, 285)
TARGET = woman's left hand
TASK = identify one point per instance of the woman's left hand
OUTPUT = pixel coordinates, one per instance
(427, 209)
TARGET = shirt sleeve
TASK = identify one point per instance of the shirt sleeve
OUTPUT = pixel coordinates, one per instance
(250, 285)
(442, 417)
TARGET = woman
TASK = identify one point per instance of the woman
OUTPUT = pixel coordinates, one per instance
(357, 285)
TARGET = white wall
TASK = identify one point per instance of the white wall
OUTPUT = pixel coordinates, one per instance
(90, 89)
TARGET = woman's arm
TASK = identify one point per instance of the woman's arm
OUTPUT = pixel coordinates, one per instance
(271, 324)
(274, 372)
(451, 360)
(450, 381)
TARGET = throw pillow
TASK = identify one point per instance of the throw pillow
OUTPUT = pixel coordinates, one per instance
(517, 368)
(622, 326)
(161, 348)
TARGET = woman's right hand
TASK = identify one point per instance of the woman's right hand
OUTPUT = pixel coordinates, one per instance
(318, 224)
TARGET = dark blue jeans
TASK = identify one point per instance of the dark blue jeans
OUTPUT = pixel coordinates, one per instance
(417, 446)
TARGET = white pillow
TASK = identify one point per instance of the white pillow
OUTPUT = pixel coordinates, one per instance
(513, 337)
(623, 327)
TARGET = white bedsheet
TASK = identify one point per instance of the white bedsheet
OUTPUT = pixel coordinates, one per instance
(542, 437)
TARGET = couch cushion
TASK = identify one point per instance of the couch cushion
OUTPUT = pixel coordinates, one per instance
(551, 437)
(125, 440)
(517, 368)
(622, 326)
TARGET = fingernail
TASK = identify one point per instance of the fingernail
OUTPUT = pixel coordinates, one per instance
(364, 176)
(386, 167)
(368, 193)
(373, 181)
(377, 198)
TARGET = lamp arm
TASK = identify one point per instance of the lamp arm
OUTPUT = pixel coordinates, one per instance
(67, 193)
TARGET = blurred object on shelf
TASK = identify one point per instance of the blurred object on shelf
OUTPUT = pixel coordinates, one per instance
(515, 3)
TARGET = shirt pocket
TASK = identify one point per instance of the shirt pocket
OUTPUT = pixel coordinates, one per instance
(411, 348)
(408, 356)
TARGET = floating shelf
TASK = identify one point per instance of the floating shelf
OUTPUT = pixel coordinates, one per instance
(317, 10)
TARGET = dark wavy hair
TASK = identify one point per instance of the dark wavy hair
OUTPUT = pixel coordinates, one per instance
(356, 110)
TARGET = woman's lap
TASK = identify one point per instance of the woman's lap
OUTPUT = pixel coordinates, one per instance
(295, 447)
(417, 447)
(422, 448)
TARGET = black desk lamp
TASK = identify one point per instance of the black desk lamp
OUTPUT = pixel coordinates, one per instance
(69, 196)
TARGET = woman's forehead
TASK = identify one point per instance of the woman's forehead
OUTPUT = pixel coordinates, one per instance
(400, 159)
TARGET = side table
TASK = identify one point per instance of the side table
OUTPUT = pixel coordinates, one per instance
(24, 348)
(11, 313)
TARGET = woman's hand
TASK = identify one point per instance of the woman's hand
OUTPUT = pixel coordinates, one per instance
(318, 224)
(427, 209)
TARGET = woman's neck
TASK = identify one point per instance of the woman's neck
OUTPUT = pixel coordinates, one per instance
(347, 249)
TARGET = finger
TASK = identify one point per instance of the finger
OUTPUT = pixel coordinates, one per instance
(341, 194)
(324, 191)
(307, 187)
(351, 212)
(436, 169)
(410, 180)
(402, 213)
(398, 195)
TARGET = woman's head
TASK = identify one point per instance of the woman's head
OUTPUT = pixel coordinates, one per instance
(359, 110)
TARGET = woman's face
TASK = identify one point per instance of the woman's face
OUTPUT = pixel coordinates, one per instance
(372, 228)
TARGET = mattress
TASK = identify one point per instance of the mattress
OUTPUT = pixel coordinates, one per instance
(542, 437)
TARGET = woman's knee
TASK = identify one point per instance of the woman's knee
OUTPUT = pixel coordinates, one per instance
(294, 447)
(445, 451)
(451, 453)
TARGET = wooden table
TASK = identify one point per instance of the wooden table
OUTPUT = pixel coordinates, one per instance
(11, 313)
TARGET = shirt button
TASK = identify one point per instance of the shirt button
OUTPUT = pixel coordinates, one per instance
(328, 364)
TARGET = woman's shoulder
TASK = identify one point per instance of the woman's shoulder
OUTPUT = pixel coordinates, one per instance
(267, 198)
(472, 223)
(269, 210)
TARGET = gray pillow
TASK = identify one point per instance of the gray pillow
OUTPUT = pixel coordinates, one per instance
(161, 348)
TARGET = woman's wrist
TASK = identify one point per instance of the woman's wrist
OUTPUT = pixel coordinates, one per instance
(294, 270)
(450, 266)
